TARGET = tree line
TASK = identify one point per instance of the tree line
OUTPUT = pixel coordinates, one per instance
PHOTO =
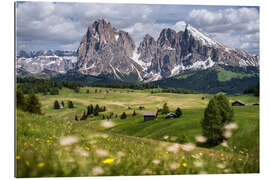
(34, 85)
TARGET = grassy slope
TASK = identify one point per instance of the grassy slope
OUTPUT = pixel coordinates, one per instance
(128, 136)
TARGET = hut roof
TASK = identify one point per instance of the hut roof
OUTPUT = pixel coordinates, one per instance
(241, 102)
(149, 113)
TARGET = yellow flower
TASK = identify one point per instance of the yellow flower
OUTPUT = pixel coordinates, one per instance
(31, 145)
(184, 164)
(27, 163)
(18, 157)
(25, 144)
(221, 154)
(240, 159)
(108, 160)
(86, 148)
(41, 164)
(167, 152)
(48, 141)
(50, 137)
(37, 139)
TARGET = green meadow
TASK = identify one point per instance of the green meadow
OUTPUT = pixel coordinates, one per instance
(54, 144)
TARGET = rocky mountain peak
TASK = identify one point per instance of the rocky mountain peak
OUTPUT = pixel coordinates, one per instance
(167, 37)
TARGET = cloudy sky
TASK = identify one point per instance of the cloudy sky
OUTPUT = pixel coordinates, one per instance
(47, 25)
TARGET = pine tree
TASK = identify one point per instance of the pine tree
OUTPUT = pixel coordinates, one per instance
(165, 109)
(134, 113)
(56, 105)
(217, 114)
(178, 112)
(76, 117)
(91, 109)
(87, 91)
(33, 104)
(70, 104)
(97, 108)
(20, 99)
(83, 116)
(88, 110)
(123, 116)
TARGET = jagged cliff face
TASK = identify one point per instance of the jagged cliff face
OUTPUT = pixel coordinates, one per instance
(106, 50)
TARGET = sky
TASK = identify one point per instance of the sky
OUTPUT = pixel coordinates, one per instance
(51, 25)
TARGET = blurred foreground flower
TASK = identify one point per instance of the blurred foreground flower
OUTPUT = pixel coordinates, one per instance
(97, 171)
(156, 161)
(69, 140)
(174, 166)
(227, 134)
(184, 164)
(41, 164)
(231, 126)
(224, 144)
(108, 160)
(188, 147)
(198, 163)
(81, 151)
(201, 139)
(101, 152)
(173, 148)
(107, 124)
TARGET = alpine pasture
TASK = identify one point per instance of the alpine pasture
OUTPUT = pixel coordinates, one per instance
(54, 144)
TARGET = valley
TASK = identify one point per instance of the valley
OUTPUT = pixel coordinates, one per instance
(54, 144)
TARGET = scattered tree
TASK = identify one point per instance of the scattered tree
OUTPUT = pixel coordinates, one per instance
(20, 100)
(217, 114)
(178, 112)
(87, 91)
(134, 113)
(123, 116)
(56, 105)
(70, 104)
(33, 104)
(165, 109)
(76, 117)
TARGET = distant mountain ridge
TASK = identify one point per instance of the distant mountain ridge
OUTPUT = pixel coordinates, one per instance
(106, 50)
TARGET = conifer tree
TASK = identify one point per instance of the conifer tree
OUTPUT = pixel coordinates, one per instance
(20, 99)
(165, 109)
(123, 116)
(217, 114)
(76, 117)
(56, 105)
(33, 104)
(178, 112)
(70, 104)
(134, 113)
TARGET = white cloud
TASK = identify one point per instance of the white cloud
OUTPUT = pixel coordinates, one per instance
(234, 27)
(48, 25)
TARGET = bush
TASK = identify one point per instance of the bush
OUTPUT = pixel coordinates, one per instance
(165, 109)
(217, 114)
(56, 105)
(123, 116)
(134, 113)
(178, 112)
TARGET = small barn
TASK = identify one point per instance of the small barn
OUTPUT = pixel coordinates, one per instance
(238, 103)
(141, 107)
(171, 115)
(256, 104)
(148, 116)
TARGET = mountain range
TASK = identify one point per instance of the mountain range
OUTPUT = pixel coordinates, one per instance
(105, 51)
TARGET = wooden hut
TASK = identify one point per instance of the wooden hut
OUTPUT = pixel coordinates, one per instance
(148, 116)
(238, 103)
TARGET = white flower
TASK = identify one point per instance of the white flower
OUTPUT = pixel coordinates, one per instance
(221, 166)
(227, 134)
(174, 166)
(104, 136)
(173, 148)
(156, 161)
(224, 144)
(101, 152)
(165, 137)
(201, 139)
(69, 140)
(120, 154)
(198, 163)
(97, 171)
(188, 147)
(173, 138)
(107, 124)
(93, 142)
(231, 126)
(81, 151)
(146, 171)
